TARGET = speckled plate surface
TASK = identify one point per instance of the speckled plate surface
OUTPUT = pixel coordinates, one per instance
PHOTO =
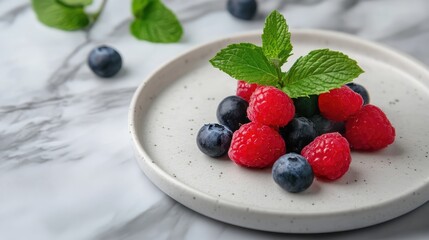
(176, 100)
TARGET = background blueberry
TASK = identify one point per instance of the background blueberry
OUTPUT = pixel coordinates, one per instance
(293, 173)
(298, 133)
(231, 112)
(242, 9)
(323, 125)
(214, 139)
(357, 88)
(306, 106)
(104, 61)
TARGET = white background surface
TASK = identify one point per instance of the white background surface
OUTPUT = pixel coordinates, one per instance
(67, 169)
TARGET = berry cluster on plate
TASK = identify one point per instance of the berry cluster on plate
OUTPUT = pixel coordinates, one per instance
(303, 122)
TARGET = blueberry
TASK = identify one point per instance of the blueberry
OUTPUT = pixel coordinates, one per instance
(323, 125)
(231, 112)
(357, 88)
(306, 106)
(298, 133)
(104, 61)
(242, 9)
(214, 139)
(293, 173)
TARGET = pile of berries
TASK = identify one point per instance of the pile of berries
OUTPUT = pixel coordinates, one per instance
(300, 138)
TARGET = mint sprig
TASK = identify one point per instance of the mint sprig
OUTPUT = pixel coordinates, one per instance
(276, 39)
(246, 61)
(318, 72)
(154, 22)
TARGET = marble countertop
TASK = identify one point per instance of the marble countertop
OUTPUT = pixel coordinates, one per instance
(67, 168)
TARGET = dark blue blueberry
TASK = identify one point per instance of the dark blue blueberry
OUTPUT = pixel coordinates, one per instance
(293, 173)
(357, 88)
(306, 106)
(104, 61)
(298, 133)
(242, 9)
(323, 125)
(231, 112)
(214, 139)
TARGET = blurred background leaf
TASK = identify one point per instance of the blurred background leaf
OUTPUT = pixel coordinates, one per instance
(76, 3)
(57, 15)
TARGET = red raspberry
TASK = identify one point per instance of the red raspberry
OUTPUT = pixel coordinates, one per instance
(369, 129)
(245, 90)
(340, 103)
(328, 155)
(270, 106)
(255, 145)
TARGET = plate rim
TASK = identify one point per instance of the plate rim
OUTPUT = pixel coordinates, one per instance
(144, 158)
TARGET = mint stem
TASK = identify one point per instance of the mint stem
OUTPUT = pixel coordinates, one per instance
(277, 65)
(279, 75)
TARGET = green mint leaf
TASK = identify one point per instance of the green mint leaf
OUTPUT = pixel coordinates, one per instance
(155, 22)
(138, 6)
(57, 15)
(75, 3)
(276, 39)
(318, 72)
(246, 62)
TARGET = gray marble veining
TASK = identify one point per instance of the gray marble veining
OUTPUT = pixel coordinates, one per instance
(66, 162)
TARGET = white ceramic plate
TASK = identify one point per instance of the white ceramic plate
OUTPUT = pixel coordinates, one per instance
(176, 100)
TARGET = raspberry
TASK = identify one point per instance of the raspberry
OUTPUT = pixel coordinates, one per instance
(340, 103)
(369, 129)
(255, 145)
(245, 90)
(270, 106)
(328, 155)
